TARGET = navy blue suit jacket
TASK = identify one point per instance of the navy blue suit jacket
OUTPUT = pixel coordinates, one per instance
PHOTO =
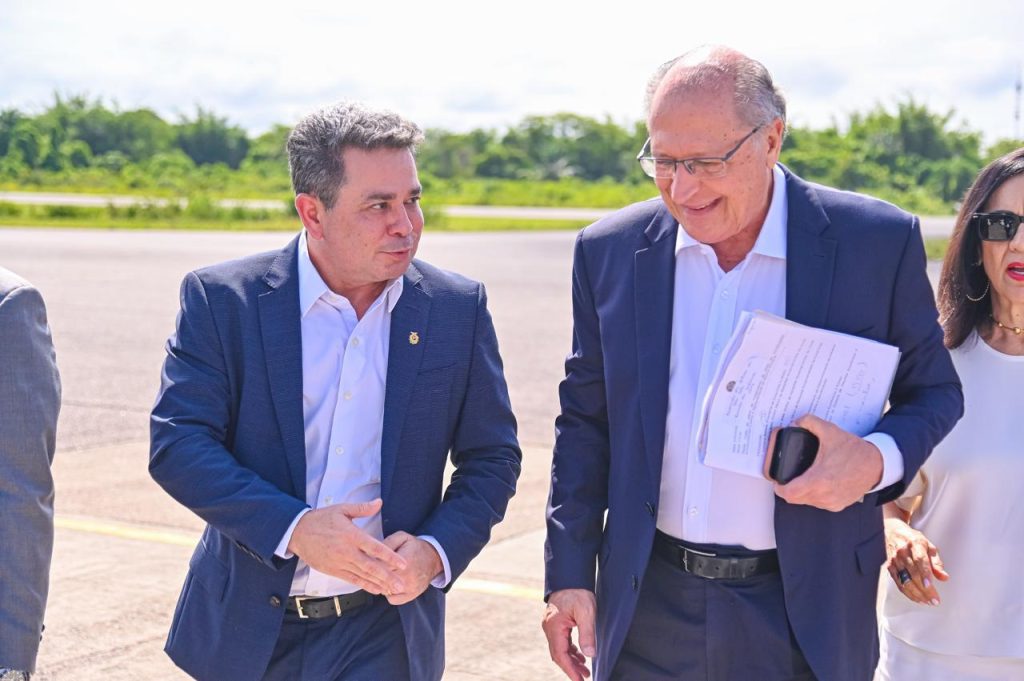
(855, 265)
(228, 443)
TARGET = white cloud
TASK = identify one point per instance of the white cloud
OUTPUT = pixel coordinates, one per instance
(461, 64)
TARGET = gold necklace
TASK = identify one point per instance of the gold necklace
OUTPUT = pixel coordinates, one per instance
(1016, 329)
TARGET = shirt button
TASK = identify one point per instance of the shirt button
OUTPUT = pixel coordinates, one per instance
(717, 349)
(694, 512)
(328, 500)
(725, 293)
(348, 395)
(355, 341)
(339, 450)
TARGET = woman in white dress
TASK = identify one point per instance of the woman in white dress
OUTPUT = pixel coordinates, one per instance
(954, 608)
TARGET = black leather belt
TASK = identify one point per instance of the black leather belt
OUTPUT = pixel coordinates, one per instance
(332, 606)
(714, 566)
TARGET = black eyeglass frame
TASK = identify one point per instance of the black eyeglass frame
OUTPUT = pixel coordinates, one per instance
(687, 163)
(985, 223)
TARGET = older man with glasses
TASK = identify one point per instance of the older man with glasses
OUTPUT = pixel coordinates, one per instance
(703, 573)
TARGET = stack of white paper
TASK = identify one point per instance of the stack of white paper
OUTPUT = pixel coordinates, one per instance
(774, 371)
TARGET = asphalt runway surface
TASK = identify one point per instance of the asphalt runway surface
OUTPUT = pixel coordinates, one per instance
(122, 545)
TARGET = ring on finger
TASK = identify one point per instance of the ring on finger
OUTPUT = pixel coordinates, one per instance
(904, 576)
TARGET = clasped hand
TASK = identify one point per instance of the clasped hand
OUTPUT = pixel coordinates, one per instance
(909, 550)
(400, 567)
(845, 469)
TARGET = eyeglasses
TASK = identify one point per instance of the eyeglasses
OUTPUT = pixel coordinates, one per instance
(998, 226)
(701, 166)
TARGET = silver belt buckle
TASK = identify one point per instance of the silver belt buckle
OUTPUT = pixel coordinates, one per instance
(686, 557)
(304, 616)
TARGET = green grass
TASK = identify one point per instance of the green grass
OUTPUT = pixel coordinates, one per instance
(281, 224)
(567, 192)
(225, 184)
(463, 224)
(935, 247)
(104, 222)
(202, 215)
(571, 192)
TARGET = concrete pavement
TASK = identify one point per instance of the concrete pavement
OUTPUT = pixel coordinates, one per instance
(122, 545)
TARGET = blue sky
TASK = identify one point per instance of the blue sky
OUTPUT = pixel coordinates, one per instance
(461, 65)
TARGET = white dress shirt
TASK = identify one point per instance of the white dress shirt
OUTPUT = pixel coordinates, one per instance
(698, 503)
(344, 371)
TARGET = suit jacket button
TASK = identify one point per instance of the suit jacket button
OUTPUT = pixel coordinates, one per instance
(650, 508)
(275, 602)
(636, 583)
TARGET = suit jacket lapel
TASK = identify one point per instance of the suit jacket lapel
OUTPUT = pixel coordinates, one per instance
(281, 329)
(810, 255)
(654, 287)
(409, 316)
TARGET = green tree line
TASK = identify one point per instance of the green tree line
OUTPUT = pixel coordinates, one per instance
(908, 154)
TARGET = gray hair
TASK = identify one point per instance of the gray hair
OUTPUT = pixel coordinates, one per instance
(316, 144)
(755, 94)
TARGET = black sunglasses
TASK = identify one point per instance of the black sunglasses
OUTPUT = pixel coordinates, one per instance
(998, 226)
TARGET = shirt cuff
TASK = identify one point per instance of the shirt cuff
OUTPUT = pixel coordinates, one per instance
(282, 546)
(441, 580)
(892, 459)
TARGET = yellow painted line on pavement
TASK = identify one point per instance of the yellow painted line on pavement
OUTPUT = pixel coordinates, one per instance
(125, 531)
(174, 538)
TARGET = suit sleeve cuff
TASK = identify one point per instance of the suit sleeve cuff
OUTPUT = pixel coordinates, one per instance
(282, 547)
(892, 459)
(443, 578)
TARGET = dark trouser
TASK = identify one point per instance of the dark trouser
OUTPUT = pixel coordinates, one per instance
(691, 628)
(364, 644)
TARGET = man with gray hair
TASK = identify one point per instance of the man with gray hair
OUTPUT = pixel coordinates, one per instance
(703, 573)
(309, 401)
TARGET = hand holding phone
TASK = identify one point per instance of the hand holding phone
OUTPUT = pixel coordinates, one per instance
(794, 452)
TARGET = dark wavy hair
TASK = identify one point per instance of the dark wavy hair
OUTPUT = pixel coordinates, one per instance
(316, 144)
(962, 272)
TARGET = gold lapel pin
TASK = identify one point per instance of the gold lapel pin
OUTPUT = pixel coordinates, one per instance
(414, 338)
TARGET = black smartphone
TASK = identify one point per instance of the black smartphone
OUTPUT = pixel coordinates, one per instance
(793, 453)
